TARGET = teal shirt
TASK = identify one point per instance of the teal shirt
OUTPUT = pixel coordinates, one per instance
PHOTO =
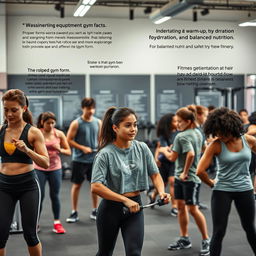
(124, 170)
(233, 169)
(188, 140)
(87, 135)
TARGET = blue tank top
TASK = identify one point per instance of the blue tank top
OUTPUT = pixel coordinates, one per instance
(233, 169)
(87, 135)
(17, 156)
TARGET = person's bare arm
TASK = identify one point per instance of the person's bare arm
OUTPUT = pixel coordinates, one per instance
(106, 193)
(211, 150)
(72, 131)
(39, 155)
(64, 146)
(159, 185)
(251, 140)
(169, 154)
(190, 156)
(251, 130)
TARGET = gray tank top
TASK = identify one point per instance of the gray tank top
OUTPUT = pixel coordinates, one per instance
(87, 135)
(233, 169)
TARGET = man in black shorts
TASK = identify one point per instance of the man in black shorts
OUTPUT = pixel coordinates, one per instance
(83, 138)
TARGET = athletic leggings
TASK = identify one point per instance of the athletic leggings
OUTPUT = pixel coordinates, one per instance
(25, 188)
(110, 218)
(221, 205)
(54, 178)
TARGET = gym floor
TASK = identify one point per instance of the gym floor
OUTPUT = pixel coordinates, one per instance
(160, 229)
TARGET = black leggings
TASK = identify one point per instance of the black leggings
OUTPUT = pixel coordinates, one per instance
(221, 205)
(110, 218)
(25, 188)
(54, 178)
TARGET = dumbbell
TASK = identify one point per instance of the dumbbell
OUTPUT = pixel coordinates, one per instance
(159, 202)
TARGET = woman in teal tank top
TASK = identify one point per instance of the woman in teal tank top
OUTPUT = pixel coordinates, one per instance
(233, 181)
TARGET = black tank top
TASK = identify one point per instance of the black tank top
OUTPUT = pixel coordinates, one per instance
(17, 156)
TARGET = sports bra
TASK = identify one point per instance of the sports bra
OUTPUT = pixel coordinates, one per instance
(17, 156)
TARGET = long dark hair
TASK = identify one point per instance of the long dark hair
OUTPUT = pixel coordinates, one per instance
(43, 117)
(164, 126)
(19, 96)
(112, 116)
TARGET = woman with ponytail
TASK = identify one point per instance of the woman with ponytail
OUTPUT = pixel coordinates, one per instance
(56, 144)
(21, 144)
(186, 151)
(120, 172)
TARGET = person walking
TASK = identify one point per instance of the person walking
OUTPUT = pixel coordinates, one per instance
(83, 136)
(233, 181)
(56, 144)
(21, 144)
(120, 172)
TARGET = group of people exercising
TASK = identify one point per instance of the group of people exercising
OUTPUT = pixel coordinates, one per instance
(118, 167)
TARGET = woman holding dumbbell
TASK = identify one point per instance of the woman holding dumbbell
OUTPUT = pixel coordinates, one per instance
(120, 173)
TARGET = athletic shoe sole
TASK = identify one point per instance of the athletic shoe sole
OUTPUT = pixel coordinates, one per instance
(180, 248)
(72, 220)
(204, 253)
(174, 214)
(55, 231)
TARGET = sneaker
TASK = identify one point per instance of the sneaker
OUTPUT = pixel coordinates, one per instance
(174, 212)
(202, 206)
(205, 248)
(73, 217)
(58, 229)
(182, 243)
(93, 215)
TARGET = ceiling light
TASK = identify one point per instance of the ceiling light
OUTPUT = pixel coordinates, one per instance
(83, 7)
(251, 23)
(173, 8)
(162, 20)
(92, 2)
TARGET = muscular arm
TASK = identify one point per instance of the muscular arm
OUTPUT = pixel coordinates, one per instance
(39, 155)
(64, 146)
(251, 140)
(72, 131)
(251, 130)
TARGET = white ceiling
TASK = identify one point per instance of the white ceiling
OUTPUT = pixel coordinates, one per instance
(121, 12)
